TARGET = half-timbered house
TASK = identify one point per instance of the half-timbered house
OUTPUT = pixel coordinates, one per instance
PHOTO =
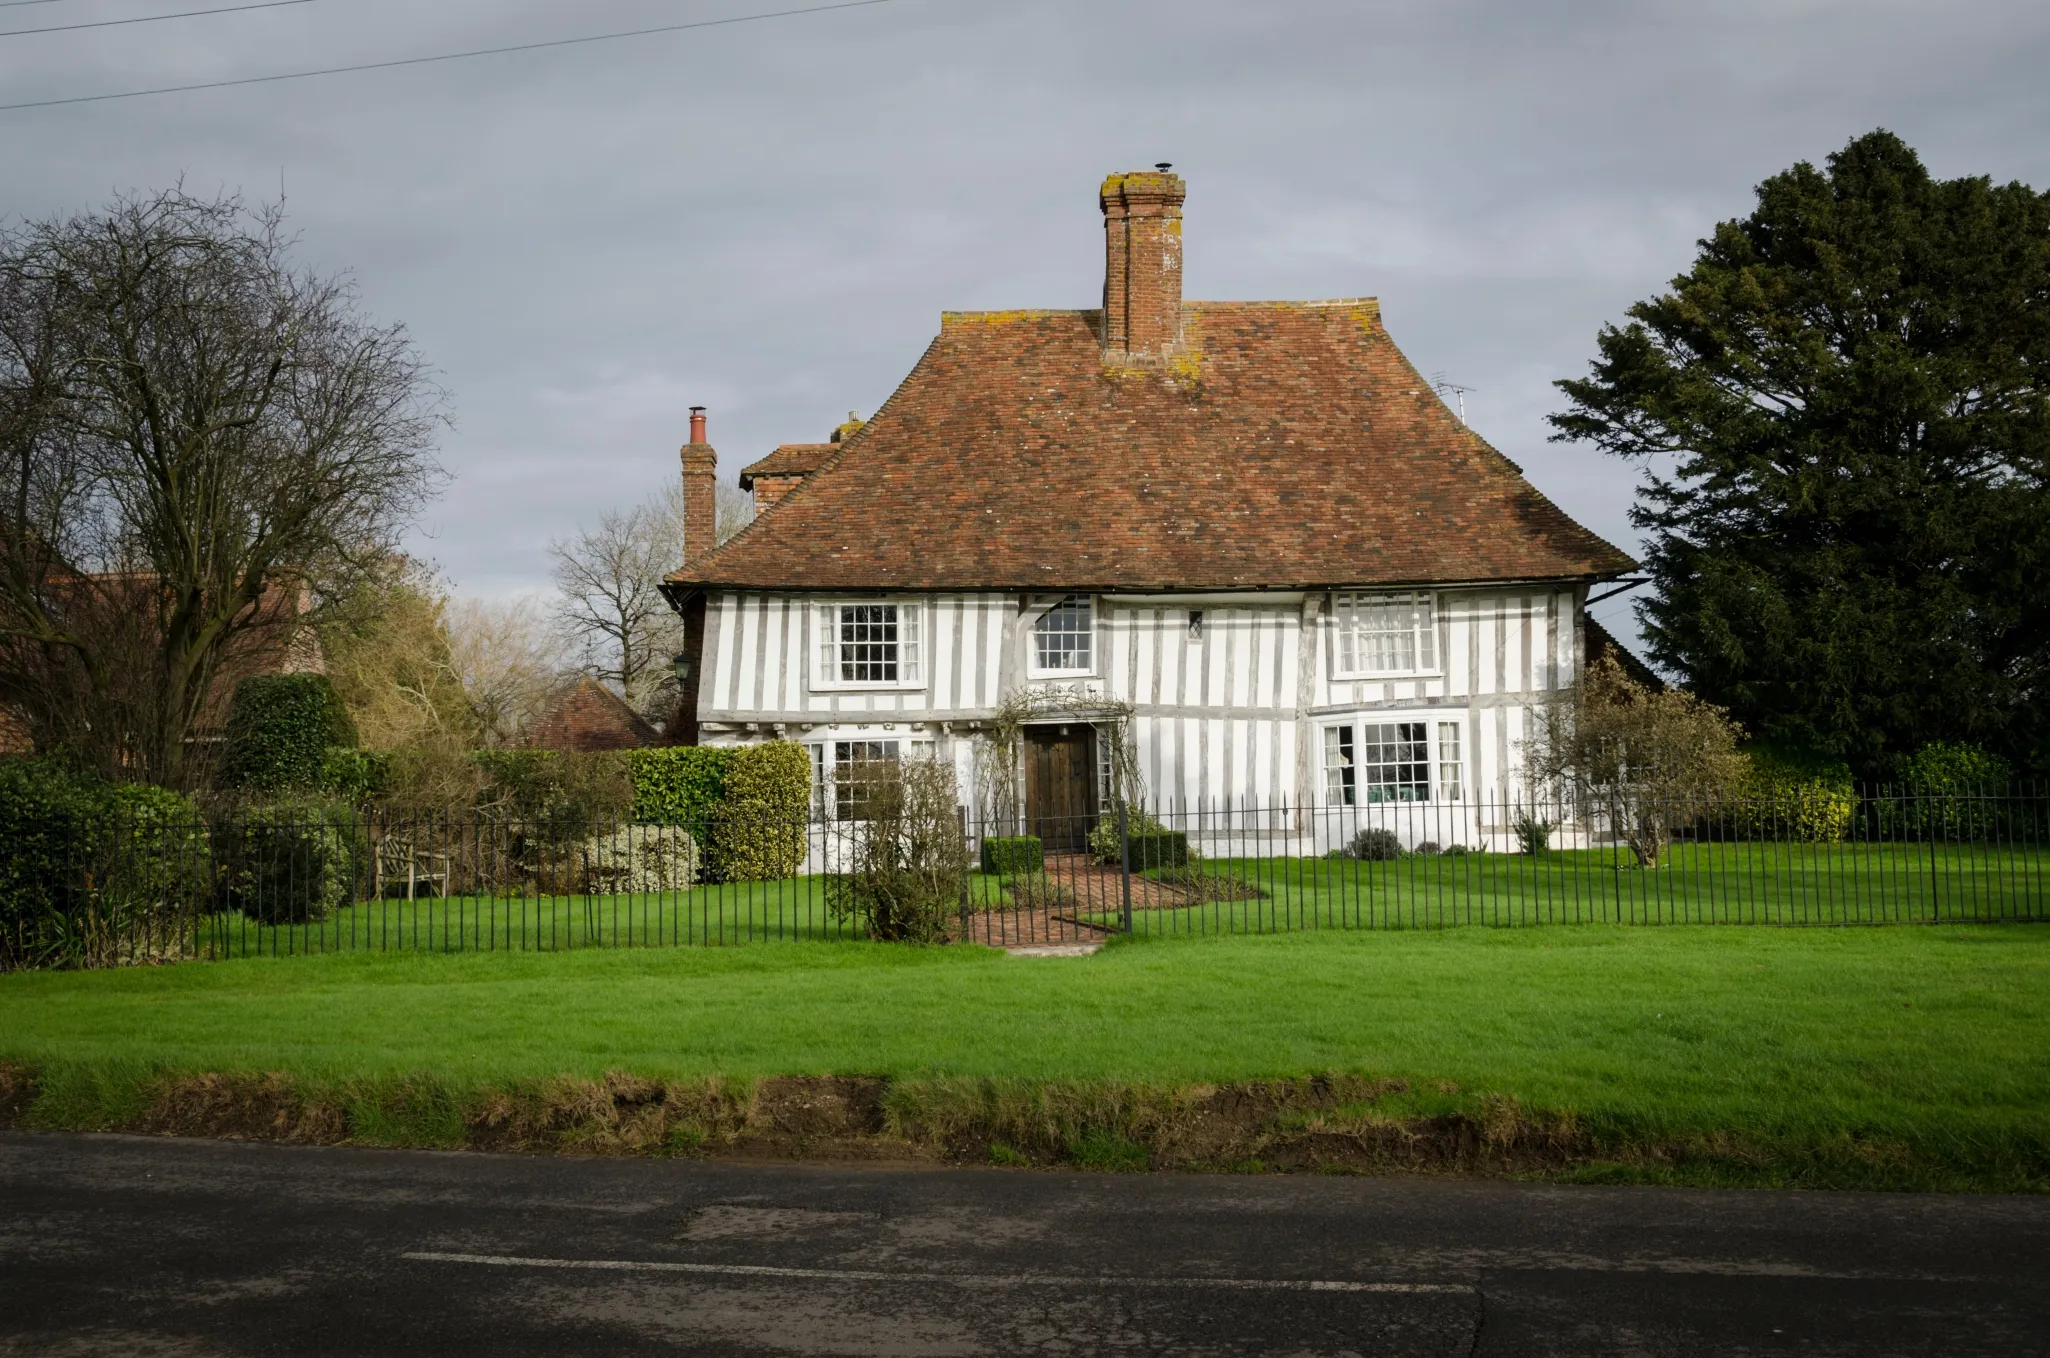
(1248, 532)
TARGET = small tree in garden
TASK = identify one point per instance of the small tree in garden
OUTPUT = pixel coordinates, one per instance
(1645, 761)
(910, 858)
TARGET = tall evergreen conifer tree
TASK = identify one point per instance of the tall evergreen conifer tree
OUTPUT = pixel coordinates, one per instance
(1844, 413)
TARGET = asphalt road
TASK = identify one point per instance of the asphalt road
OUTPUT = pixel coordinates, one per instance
(177, 1249)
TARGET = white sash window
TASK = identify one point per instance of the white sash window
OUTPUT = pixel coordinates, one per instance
(1386, 634)
(871, 644)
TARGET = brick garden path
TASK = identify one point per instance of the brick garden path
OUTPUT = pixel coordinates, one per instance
(1097, 891)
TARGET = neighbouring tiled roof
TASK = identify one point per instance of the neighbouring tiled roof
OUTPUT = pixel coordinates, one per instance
(791, 459)
(587, 716)
(1600, 642)
(1291, 445)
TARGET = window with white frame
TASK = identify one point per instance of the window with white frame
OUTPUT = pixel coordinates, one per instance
(1449, 780)
(858, 766)
(869, 645)
(818, 780)
(1386, 634)
(1341, 769)
(1395, 761)
(1064, 637)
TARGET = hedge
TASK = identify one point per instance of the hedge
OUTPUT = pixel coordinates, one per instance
(290, 861)
(280, 727)
(92, 874)
(1009, 855)
(1158, 849)
(1793, 795)
(758, 830)
(678, 784)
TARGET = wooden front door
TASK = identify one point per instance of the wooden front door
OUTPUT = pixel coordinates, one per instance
(1060, 784)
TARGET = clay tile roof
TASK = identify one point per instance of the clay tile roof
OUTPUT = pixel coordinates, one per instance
(790, 459)
(588, 716)
(1291, 445)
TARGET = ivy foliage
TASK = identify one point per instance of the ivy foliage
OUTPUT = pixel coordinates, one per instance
(1850, 391)
(280, 728)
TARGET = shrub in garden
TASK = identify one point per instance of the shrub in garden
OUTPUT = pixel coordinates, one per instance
(1429, 846)
(1374, 844)
(758, 831)
(291, 861)
(1103, 840)
(1950, 791)
(1791, 795)
(1533, 832)
(1037, 891)
(280, 727)
(50, 817)
(154, 870)
(1006, 855)
(1157, 848)
(909, 868)
(678, 784)
(356, 777)
(637, 859)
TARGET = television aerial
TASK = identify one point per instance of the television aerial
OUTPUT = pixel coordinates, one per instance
(1439, 382)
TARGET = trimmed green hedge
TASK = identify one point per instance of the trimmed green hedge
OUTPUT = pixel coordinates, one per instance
(677, 784)
(1158, 849)
(289, 862)
(1013, 855)
(758, 827)
(1791, 795)
(280, 727)
(93, 874)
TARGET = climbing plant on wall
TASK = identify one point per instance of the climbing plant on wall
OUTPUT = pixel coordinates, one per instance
(997, 771)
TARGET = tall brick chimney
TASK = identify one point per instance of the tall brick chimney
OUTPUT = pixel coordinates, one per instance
(700, 491)
(1142, 263)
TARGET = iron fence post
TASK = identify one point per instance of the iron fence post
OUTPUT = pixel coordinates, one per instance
(961, 815)
(1125, 865)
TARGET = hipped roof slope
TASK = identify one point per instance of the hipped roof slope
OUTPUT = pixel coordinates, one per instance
(1286, 445)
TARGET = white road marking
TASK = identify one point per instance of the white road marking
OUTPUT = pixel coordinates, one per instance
(958, 1279)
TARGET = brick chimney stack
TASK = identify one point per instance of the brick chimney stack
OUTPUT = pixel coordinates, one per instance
(700, 491)
(1142, 264)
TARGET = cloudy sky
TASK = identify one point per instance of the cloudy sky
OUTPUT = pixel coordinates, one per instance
(766, 218)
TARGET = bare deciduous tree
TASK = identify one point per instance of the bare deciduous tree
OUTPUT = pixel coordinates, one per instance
(610, 604)
(505, 661)
(196, 435)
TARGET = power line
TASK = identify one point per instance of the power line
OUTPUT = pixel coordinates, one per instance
(446, 56)
(145, 19)
(17, 4)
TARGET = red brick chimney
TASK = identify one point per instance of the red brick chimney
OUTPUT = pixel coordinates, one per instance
(700, 491)
(1142, 263)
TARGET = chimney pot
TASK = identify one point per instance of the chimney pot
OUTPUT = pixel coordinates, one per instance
(697, 424)
(1142, 264)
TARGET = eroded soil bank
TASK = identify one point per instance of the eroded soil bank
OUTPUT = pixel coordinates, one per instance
(1337, 1123)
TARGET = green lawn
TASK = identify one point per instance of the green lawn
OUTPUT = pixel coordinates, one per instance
(1932, 1036)
(1699, 883)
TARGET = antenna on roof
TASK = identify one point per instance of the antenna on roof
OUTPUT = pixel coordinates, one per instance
(1442, 386)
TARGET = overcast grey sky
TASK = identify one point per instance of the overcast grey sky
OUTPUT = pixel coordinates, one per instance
(767, 218)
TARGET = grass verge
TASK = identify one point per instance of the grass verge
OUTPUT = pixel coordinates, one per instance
(1883, 1058)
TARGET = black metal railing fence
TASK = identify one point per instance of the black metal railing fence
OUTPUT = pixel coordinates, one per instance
(258, 881)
